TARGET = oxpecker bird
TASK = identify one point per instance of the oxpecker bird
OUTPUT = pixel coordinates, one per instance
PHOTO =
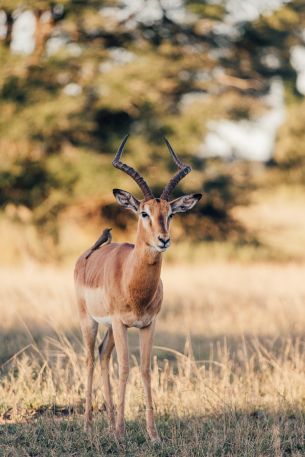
(105, 238)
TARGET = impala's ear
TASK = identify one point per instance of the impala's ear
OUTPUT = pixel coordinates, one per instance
(185, 203)
(126, 200)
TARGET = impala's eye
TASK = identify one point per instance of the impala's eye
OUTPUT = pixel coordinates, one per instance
(144, 215)
(171, 216)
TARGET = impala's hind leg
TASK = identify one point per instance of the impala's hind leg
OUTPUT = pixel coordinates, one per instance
(121, 346)
(105, 350)
(89, 330)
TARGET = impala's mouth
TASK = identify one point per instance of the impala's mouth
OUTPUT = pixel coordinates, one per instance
(160, 247)
(163, 246)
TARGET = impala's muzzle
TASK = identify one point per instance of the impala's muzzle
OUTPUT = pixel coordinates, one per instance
(164, 243)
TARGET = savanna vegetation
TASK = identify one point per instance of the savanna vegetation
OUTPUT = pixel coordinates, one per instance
(228, 366)
(94, 76)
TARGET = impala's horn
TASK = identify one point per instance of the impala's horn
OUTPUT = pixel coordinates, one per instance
(183, 171)
(148, 195)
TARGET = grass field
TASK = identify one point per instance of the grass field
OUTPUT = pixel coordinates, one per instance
(228, 368)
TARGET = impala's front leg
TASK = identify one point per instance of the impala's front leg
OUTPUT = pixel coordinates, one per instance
(146, 342)
(121, 345)
(89, 330)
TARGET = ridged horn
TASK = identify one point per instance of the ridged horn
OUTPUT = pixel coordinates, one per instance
(132, 172)
(183, 171)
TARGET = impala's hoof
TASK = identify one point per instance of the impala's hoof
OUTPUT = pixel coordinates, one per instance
(154, 436)
(156, 440)
(120, 433)
(111, 425)
(88, 427)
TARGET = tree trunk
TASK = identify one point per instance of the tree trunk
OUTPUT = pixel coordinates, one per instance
(44, 29)
(9, 28)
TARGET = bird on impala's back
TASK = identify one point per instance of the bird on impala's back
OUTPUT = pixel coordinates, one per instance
(105, 238)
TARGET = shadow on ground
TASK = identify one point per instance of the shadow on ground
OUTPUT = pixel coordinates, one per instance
(230, 433)
(57, 430)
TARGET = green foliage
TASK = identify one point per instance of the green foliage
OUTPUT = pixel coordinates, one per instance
(27, 183)
(290, 148)
(68, 110)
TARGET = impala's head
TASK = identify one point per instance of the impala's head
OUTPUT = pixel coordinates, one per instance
(154, 214)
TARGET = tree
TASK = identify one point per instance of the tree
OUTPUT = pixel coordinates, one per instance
(98, 73)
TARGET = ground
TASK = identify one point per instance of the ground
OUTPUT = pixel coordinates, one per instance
(228, 368)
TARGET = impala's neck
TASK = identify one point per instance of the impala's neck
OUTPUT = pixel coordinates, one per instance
(144, 273)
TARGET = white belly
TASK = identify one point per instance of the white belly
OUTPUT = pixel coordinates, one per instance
(106, 320)
(99, 311)
(97, 305)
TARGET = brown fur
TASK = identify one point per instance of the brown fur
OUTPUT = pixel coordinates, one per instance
(120, 285)
(129, 274)
(128, 277)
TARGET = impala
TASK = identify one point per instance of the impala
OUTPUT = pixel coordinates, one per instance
(119, 286)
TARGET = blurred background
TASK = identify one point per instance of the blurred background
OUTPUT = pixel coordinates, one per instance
(223, 80)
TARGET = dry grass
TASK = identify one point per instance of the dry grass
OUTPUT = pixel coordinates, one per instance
(232, 382)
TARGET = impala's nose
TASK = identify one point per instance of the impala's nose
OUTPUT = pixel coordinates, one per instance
(164, 242)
